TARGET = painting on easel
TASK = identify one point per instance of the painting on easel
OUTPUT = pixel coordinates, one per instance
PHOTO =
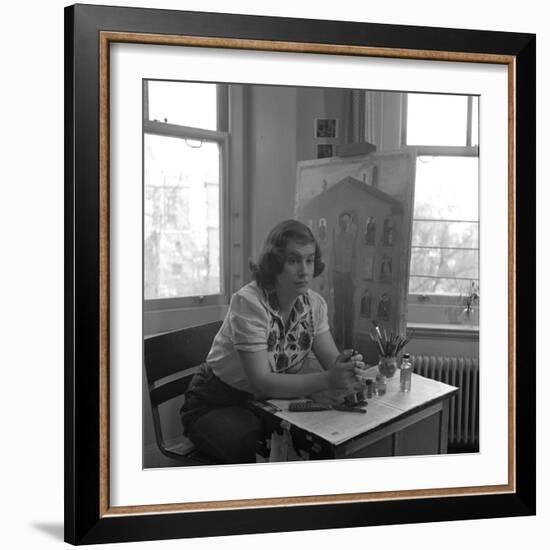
(363, 212)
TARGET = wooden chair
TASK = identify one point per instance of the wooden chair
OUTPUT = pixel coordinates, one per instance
(170, 360)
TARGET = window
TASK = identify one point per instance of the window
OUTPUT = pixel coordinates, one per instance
(184, 166)
(445, 240)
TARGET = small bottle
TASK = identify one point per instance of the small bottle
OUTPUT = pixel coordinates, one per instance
(380, 385)
(406, 371)
(370, 387)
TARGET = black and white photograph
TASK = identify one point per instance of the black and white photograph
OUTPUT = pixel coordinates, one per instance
(258, 340)
(177, 260)
(258, 331)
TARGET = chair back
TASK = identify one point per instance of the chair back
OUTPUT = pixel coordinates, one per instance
(170, 361)
(171, 355)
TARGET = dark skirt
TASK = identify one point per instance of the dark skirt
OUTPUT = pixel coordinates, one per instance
(206, 392)
(219, 420)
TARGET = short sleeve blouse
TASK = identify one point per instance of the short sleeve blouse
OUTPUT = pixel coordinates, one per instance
(253, 323)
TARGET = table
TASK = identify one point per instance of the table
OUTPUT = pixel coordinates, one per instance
(396, 424)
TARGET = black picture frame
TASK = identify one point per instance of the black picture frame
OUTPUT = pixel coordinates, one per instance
(88, 518)
(325, 150)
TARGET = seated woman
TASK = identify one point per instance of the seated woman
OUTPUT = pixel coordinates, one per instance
(272, 325)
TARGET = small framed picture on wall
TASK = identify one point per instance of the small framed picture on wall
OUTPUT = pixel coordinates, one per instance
(326, 127)
(325, 150)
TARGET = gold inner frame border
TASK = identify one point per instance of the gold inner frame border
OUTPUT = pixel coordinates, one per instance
(105, 39)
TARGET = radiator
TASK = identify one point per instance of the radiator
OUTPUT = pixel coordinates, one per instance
(462, 372)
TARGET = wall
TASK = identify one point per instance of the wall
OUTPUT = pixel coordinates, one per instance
(272, 159)
(455, 343)
(282, 119)
(388, 120)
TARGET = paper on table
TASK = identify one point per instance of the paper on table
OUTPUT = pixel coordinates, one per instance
(337, 427)
(422, 391)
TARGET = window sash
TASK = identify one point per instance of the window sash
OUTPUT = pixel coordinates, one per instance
(154, 127)
(449, 277)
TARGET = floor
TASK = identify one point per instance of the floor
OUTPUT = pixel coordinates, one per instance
(153, 458)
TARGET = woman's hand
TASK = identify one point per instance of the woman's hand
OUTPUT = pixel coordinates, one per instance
(350, 356)
(345, 374)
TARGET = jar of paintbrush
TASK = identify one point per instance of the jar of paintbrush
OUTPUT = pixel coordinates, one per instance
(389, 345)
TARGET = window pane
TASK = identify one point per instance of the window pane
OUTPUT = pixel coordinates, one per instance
(425, 285)
(446, 188)
(183, 103)
(440, 262)
(443, 233)
(436, 119)
(182, 212)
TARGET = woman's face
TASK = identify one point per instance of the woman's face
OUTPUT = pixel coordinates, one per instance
(297, 271)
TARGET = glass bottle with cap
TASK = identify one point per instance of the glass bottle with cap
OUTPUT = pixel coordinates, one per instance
(406, 371)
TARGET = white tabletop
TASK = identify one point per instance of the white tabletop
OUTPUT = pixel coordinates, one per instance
(337, 427)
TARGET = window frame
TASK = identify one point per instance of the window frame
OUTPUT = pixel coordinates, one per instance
(420, 301)
(222, 139)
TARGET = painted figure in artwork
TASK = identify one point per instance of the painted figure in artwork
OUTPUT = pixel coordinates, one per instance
(343, 274)
(386, 269)
(384, 307)
(388, 232)
(370, 231)
(322, 230)
(366, 301)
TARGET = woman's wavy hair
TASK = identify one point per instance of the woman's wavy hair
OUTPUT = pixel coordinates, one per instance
(272, 257)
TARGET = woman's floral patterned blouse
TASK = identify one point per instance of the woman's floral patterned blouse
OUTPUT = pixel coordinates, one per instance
(253, 323)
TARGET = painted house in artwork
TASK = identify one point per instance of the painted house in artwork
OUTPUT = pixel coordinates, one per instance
(360, 231)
